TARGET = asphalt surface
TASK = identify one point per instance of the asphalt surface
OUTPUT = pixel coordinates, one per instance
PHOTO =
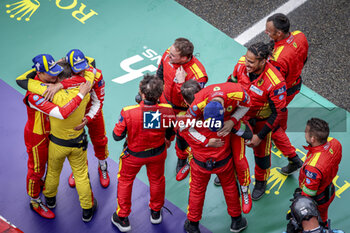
(326, 24)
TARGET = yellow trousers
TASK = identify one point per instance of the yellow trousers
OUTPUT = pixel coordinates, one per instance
(78, 161)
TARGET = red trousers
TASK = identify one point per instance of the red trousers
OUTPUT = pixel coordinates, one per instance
(240, 161)
(262, 154)
(199, 178)
(281, 139)
(323, 209)
(37, 149)
(129, 166)
(97, 132)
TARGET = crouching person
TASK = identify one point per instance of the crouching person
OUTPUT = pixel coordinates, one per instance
(211, 155)
(147, 136)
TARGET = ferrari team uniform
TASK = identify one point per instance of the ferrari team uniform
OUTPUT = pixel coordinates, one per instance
(172, 89)
(207, 161)
(317, 173)
(143, 125)
(94, 113)
(289, 57)
(36, 134)
(267, 93)
(65, 142)
(234, 97)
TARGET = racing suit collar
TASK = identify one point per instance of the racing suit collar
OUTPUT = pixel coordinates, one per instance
(319, 148)
(147, 102)
(287, 40)
(188, 63)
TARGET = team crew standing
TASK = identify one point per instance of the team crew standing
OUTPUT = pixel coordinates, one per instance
(289, 57)
(145, 145)
(267, 90)
(321, 165)
(250, 109)
(177, 66)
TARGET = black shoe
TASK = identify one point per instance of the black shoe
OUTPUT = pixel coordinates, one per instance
(50, 202)
(156, 217)
(191, 227)
(238, 224)
(259, 190)
(180, 164)
(217, 181)
(121, 223)
(89, 213)
(294, 164)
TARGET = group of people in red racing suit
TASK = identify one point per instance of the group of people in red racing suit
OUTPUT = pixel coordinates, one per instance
(249, 109)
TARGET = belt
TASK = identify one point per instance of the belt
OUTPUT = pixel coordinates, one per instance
(210, 164)
(295, 88)
(147, 153)
(78, 142)
(174, 106)
(325, 195)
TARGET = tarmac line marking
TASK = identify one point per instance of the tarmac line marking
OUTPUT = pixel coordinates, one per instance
(259, 27)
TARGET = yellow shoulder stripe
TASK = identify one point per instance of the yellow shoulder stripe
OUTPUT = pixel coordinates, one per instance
(276, 53)
(202, 104)
(329, 139)
(90, 60)
(315, 159)
(296, 33)
(235, 95)
(273, 77)
(97, 76)
(197, 72)
(242, 60)
(131, 107)
(165, 105)
(24, 76)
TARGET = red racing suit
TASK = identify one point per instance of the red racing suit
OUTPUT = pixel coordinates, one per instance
(172, 90)
(317, 173)
(234, 96)
(145, 145)
(207, 161)
(36, 133)
(289, 57)
(94, 113)
(268, 99)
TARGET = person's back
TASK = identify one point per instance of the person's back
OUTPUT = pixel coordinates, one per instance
(289, 56)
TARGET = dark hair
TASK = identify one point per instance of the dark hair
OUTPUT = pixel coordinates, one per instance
(319, 129)
(189, 89)
(184, 46)
(280, 21)
(152, 87)
(66, 72)
(261, 50)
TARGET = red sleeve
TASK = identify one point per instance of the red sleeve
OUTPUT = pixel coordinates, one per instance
(312, 181)
(192, 136)
(281, 65)
(39, 103)
(202, 81)
(120, 127)
(74, 81)
(277, 102)
(194, 111)
(234, 76)
(242, 108)
(97, 97)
